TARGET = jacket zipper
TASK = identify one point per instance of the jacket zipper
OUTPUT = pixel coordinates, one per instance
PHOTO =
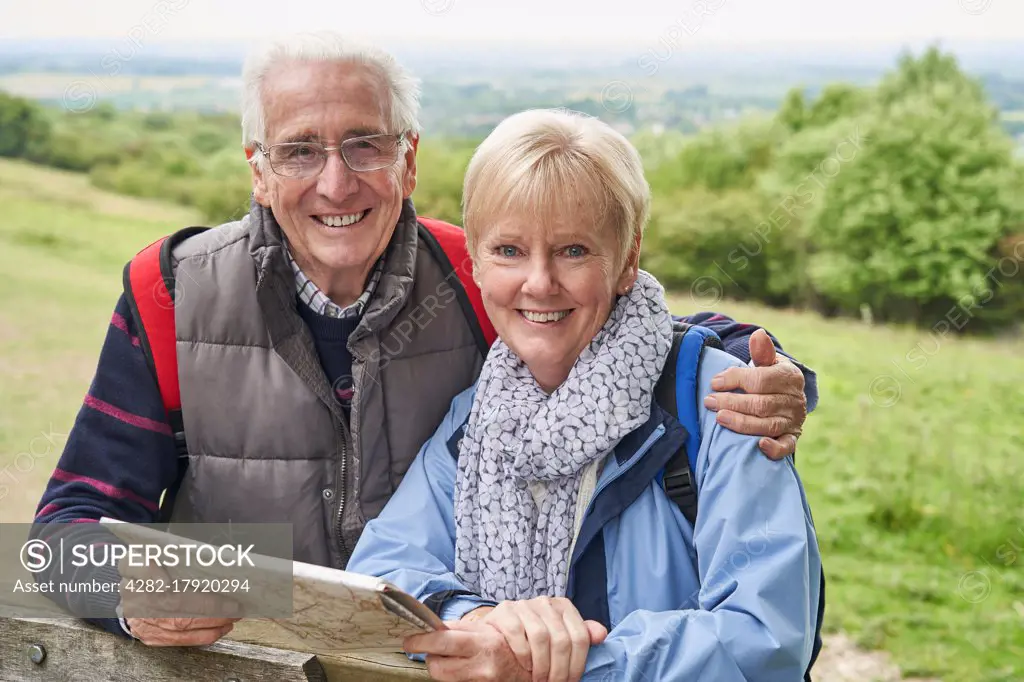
(637, 456)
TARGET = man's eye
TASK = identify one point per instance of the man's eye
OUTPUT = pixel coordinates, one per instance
(303, 152)
(575, 251)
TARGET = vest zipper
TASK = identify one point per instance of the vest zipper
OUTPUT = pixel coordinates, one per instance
(342, 489)
(346, 553)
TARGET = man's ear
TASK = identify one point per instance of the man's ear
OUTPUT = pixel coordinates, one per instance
(260, 191)
(409, 180)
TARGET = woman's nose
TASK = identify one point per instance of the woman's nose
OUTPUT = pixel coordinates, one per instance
(541, 280)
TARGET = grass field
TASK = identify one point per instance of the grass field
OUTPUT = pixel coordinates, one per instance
(912, 462)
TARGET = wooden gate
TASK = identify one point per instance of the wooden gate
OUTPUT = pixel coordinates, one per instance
(74, 651)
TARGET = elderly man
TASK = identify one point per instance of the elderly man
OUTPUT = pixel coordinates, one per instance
(318, 340)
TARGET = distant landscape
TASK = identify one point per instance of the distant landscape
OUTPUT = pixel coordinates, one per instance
(864, 204)
(468, 89)
(765, 169)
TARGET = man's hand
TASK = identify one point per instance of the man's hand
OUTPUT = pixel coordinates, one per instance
(468, 651)
(201, 629)
(772, 404)
(180, 631)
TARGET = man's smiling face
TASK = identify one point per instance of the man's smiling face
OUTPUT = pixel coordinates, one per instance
(339, 222)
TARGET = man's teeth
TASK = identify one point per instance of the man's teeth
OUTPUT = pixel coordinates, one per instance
(544, 317)
(341, 220)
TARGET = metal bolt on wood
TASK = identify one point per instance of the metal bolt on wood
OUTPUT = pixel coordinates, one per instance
(37, 653)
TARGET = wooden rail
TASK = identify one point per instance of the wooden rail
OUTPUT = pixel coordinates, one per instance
(37, 650)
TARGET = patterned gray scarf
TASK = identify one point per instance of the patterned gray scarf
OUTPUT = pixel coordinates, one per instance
(517, 436)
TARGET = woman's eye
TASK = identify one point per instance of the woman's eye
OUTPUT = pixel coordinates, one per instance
(508, 251)
(575, 251)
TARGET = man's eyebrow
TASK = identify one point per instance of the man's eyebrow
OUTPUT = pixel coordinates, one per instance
(310, 136)
(362, 132)
(305, 136)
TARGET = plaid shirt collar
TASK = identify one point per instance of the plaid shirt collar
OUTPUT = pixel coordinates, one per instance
(310, 294)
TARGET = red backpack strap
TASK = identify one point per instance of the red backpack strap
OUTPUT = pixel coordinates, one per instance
(149, 289)
(448, 244)
(150, 299)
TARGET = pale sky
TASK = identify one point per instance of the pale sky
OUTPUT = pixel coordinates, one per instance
(580, 21)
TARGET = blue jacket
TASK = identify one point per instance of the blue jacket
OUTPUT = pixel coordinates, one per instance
(735, 598)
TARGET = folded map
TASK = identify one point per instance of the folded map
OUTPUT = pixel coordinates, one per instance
(325, 611)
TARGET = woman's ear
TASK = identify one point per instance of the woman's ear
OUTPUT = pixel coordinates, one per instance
(626, 281)
(630, 268)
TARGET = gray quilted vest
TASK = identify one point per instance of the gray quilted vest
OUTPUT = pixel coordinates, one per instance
(267, 440)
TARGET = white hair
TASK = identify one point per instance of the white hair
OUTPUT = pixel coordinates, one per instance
(326, 46)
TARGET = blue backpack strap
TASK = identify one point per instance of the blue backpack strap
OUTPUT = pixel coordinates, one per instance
(676, 393)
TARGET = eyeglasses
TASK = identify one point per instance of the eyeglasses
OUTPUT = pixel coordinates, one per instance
(304, 159)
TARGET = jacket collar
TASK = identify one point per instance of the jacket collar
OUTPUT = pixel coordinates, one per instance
(396, 281)
(631, 443)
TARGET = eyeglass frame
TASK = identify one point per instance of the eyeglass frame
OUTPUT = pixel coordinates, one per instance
(264, 151)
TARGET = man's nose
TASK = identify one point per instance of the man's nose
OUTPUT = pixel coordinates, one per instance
(336, 181)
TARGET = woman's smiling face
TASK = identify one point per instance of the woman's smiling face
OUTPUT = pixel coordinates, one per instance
(549, 288)
(554, 206)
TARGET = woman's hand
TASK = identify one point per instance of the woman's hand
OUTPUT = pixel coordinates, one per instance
(537, 640)
(548, 636)
(468, 651)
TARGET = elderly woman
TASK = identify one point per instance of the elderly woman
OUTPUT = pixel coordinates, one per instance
(536, 520)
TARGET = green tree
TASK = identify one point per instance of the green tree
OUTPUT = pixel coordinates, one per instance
(795, 187)
(922, 75)
(912, 226)
(710, 244)
(721, 158)
(837, 101)
(441, 164)
(24, 128)
(793, 112)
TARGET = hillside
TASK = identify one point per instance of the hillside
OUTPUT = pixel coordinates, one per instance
(911, 462)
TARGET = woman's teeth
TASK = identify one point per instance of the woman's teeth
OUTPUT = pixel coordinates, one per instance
(544, 317)
(341, 220)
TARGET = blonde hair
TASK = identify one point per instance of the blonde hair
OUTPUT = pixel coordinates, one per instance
(542, 164)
